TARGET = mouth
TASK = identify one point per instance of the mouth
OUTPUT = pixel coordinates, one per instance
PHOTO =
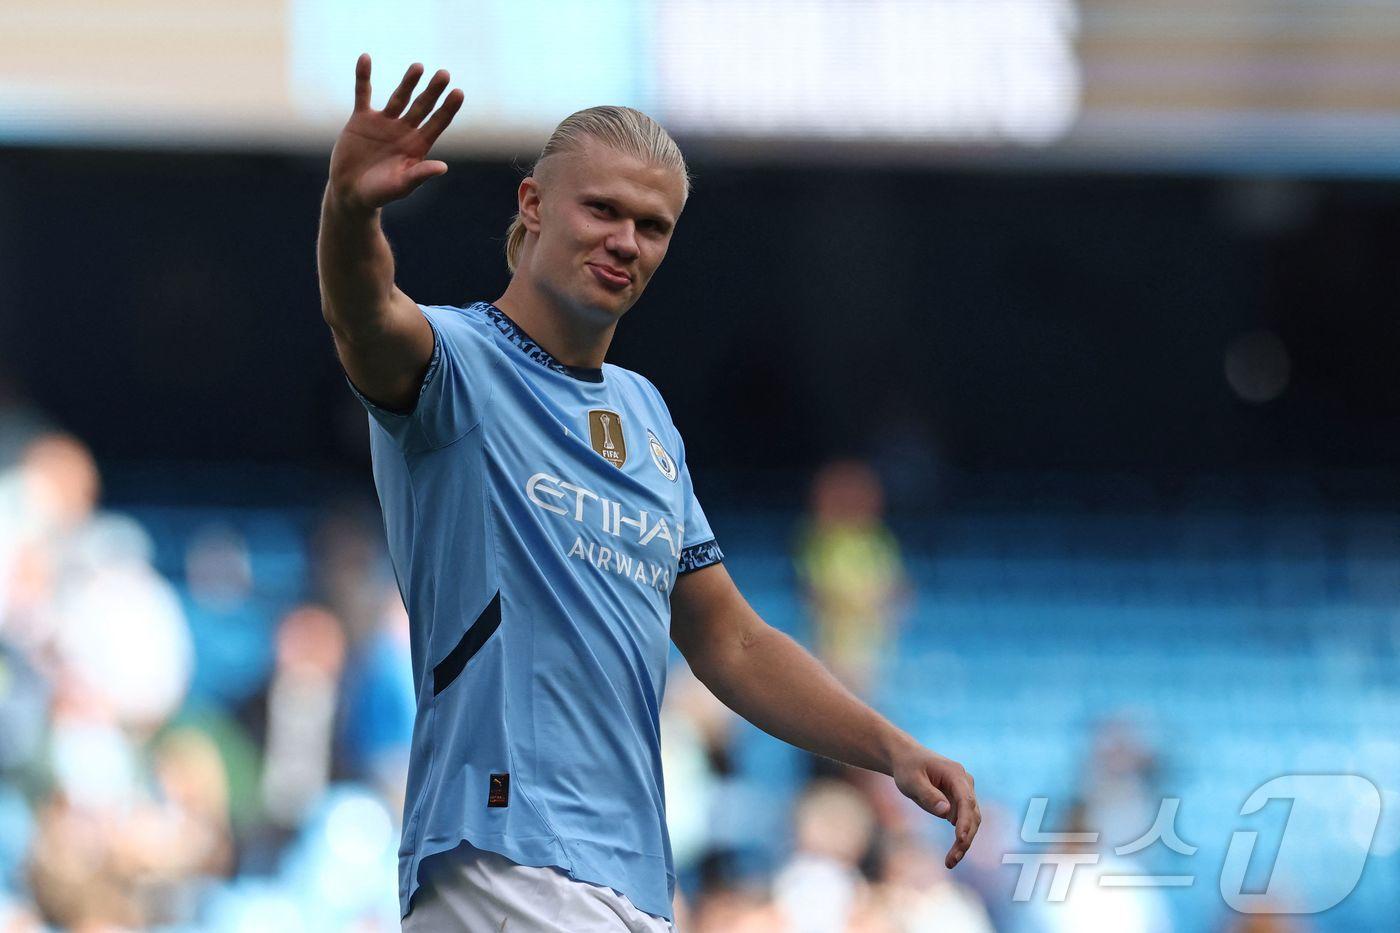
(610, 277)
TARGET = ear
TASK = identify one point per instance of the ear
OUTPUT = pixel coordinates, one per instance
(529, 200)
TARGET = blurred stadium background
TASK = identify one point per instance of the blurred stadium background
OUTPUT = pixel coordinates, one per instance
(1036, 362)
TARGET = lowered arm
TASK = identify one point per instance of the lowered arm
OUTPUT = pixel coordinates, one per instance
(773, 682)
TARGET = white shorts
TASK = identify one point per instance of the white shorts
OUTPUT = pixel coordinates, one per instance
(476, 891)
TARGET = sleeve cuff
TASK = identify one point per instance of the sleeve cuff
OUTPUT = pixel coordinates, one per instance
(433, 365)
(700, 555)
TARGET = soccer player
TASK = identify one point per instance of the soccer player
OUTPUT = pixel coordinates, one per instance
(547, 540)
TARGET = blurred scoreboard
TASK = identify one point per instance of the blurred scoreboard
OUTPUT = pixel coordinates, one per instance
(1288, 85)
(1248, 84)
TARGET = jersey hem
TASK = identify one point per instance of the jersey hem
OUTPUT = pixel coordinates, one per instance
(527, 850)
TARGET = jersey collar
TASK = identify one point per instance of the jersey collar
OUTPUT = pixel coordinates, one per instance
(531, 347)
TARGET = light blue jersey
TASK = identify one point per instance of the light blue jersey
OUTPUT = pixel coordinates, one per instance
(538, 516)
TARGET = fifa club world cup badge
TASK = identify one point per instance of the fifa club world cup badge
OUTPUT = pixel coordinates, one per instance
(605, 433)
(661, 458)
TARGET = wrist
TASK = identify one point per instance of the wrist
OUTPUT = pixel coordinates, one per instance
(343, 203)
(895, 744)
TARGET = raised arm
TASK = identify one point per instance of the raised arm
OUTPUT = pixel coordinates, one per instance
(383, 340)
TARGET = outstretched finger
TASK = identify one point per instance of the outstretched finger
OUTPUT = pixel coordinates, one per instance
(428, 99)
(967, 822)
(362, 82)
(439, 121)
(399, 99)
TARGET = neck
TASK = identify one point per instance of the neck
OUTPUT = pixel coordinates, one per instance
(573, 336)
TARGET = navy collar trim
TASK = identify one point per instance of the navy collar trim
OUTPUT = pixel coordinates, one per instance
(512, 332)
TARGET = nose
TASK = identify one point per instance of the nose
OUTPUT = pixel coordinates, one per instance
(622, 241)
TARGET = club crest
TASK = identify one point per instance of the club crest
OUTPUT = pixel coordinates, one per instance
(605, 434)
(661, 458)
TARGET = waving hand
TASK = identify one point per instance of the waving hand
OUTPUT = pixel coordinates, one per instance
(381, 155)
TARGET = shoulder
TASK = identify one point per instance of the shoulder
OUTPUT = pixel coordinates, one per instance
(642, 389)
(466, 329)
(469, 317)
(649, 398)
(637, 383)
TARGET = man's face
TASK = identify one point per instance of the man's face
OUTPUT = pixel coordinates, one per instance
(604, 221)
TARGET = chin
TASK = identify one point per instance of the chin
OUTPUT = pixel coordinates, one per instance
(618, 307)
(604, 304)
(613, 303)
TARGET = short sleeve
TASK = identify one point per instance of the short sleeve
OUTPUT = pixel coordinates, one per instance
(698, 545)
(455, 388)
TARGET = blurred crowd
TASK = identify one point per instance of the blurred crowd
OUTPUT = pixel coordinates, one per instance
(188, 752)
(198, 750)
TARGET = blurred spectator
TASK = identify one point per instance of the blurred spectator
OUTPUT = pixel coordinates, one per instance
(24, 710)
(18, 511)
(342, 864)
(60, 482)
(44, 500)
(820, 889)
(851, 572)
(696, 730)
(1119, 784)
(737, 910)
(351, 568)
(232, 631)
(1089, 907)
(195, 800)
(93, 764)
(121, 629)
(72, 873)
(301, 713)
(921, 895)
(139, 852)
(81, 595)
(380, 705)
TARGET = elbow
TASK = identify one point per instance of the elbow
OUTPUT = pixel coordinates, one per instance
(339, 333)
(351, 330)
(328, 311)
(727, 660)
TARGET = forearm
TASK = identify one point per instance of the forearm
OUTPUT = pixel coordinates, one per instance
(355, 265)
(774, 683)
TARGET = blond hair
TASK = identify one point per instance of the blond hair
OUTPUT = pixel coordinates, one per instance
(623, 129)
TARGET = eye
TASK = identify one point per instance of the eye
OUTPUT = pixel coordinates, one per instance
(600, 208)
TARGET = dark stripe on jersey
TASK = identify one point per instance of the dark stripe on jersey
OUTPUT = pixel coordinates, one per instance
(700, 555)
(472, 640)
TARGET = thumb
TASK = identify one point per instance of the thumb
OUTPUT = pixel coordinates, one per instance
(931, 798)
(423, 171)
